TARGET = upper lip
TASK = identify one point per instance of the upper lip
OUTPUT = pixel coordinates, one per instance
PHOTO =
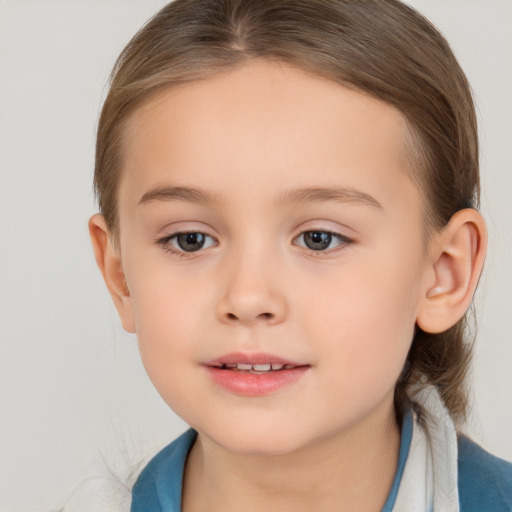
(252, 358)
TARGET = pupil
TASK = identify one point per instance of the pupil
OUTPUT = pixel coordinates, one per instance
(191, 241)
(317, 240)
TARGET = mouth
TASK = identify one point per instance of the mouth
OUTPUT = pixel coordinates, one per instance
(256, 374)
(255, 369)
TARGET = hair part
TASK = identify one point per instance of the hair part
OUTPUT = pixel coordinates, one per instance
(378, 47)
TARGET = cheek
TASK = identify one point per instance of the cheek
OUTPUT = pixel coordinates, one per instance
(367, 318)
(167, 306)
(167, 334)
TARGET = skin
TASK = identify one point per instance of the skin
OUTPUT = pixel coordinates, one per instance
(330, 440)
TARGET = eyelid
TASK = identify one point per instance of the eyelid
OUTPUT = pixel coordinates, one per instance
(165, 242)
(344, 240)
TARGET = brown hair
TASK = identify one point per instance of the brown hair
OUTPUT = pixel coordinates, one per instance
(380, 47)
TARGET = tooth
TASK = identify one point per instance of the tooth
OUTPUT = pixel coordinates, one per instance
(288, 366)
(261, 367)
(230, 365)
(243, 366)
(277, 366)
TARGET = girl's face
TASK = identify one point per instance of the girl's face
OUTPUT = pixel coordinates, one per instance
(267, 216)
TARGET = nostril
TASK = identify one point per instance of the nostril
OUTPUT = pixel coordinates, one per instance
(265, 316)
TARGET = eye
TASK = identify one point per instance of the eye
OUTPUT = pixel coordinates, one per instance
(187, 242)
(321, 240)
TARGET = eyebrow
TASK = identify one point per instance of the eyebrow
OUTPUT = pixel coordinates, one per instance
(298, 195)
(170, 193)
(340, 194)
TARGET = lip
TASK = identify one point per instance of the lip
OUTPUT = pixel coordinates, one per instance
(252, 384)
(252, 358)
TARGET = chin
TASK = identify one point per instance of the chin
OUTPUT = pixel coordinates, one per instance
(263, 447)
(256, 440)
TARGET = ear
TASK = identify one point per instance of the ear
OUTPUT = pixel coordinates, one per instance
(457, 259)
(109, 263)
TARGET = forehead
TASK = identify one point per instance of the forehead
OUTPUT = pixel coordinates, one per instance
(262, 121)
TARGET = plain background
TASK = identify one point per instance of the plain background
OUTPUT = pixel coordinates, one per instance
(74, 396)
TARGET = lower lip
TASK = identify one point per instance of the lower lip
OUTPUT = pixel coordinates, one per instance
(251, 384)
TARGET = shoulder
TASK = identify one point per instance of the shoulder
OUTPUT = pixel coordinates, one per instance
(158, 486)
(485, 481)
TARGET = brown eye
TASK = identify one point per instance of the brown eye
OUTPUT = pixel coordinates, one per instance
(190, 242)
(317, 240)
(321, 240)
(186, 242)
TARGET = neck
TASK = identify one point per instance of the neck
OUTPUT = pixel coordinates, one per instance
(350, 470)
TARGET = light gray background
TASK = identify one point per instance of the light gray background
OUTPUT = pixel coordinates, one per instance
(74, 395)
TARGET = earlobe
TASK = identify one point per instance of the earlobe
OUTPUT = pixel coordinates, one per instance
(110, 265)
(457, 262)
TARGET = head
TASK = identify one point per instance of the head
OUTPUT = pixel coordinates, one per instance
(378, 58)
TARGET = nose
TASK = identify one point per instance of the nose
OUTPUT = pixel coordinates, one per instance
(252, 293)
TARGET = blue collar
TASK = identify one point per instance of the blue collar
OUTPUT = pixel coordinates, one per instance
(405, 444)
(159, 486)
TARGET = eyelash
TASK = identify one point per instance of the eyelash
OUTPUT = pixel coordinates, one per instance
(343, 241)
(165, 242)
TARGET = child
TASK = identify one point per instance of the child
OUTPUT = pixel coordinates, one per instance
(288, 196)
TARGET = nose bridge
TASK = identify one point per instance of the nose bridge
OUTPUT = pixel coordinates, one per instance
(252, 292)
